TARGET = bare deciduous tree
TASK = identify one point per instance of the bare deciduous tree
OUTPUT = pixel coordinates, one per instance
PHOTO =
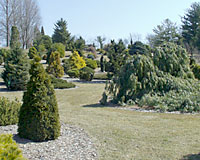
(29, 19)
(21, 13)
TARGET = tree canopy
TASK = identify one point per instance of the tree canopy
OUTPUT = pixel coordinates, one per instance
(191, 28)
(166, 32)
(61, 34)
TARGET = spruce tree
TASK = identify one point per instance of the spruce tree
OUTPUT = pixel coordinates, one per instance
(61, 35)
(190, 27)
(16, 73)
(14, 40)
(54, 66)
(38, 116)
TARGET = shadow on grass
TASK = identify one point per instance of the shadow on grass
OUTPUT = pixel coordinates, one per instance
(94, 81)
(191, 157)
(98, 105)
(3, 88)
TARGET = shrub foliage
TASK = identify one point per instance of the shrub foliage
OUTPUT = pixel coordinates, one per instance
(91, 63)
(39, 117)
(16, 73)
(32, 52)
(61, 84)
(76, 61)
(9, 111)
(9, 149)
(86, 74)
(54, 66)
(73, 73)
(163, 81)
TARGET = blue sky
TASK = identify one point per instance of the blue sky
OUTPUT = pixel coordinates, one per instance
(113, 19)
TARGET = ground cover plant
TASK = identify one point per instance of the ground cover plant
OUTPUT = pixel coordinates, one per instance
(61, 84)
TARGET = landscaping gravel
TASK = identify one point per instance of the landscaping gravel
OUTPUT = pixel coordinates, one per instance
(73, 144)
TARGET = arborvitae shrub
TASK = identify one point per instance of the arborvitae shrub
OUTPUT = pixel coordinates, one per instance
(9, 149)
(91, 63)
(86, 74)
(16, 73)
(146, 82)
(32, 52)
(39, 117)
(14, 40)
(54, 66)
(73, 73)
(9, 111)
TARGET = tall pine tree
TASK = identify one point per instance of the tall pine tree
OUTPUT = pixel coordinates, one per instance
(191, 28)
(61, 35)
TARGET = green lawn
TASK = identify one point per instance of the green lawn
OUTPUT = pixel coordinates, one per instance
(127, 135)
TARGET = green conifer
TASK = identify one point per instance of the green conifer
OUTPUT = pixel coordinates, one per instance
(16, 73)
(42, 31)
(14, 40)
(54, 66)
(61, 34)
(39, 117)
(32, 52)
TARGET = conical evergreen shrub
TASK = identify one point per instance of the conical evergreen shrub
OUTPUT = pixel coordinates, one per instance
(14, 40)
(16, 73)
(39, 117)
(54, 66)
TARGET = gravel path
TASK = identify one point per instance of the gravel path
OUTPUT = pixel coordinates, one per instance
(73, 144)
